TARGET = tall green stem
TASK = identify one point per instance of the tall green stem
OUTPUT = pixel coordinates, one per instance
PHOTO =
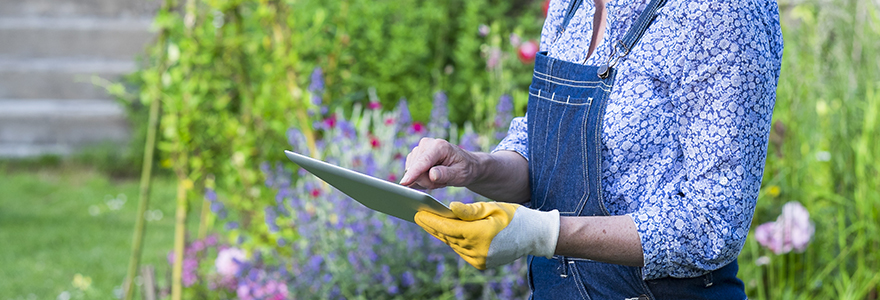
(143, 200)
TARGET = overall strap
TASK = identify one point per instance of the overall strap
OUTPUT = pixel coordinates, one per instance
(622, 47)
(569, 14)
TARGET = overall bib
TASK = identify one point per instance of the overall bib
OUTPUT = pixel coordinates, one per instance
(565, 112)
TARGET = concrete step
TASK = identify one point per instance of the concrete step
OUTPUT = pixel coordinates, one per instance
(35, 37)
(82, 8)
(31, 127)
(58, 78)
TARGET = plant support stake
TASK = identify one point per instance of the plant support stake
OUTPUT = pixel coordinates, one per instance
(143, 200)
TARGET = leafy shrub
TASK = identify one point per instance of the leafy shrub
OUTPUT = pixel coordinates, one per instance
(331, 247)
(234, 76)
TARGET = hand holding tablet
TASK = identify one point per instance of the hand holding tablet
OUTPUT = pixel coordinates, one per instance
(377, 194)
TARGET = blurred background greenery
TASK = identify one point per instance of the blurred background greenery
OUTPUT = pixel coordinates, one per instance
(233, 77)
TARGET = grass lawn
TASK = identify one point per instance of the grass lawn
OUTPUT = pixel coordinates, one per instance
(57, 222)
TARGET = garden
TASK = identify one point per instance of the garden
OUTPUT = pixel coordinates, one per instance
(219, 212)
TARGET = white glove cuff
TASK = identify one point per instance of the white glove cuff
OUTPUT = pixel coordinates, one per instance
(529, 232)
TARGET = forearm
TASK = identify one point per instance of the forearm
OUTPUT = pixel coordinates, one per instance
(502, 176)
(610, 239)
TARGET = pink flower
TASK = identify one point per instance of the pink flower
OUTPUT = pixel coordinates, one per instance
(527, 51)
(244, 292)
(494, 59)
(515, 40)
(374, 105)
(418, 127)
(228, 261)
(792, 230)
(330, 122)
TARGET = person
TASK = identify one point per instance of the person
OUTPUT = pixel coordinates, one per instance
(635, 172)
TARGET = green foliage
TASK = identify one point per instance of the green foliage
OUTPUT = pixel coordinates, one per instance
(232, 77)
(824, 154)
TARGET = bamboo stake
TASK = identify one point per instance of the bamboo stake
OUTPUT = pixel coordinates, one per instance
(143, 200)
(146, 176)
(184, 184)
(179, 240)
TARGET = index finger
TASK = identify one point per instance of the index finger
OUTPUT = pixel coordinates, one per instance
(426, 155)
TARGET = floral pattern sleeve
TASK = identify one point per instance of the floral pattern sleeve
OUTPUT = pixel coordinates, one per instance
(722, 98)
(517, 138)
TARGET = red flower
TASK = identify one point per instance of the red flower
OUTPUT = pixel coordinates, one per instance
(389, 121)
(392, 178)
(374, 142)
(527, 51)
(316, 192)
(374, 105)
(546, 7)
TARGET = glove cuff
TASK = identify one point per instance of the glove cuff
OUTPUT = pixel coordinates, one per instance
(529, 232)
(543, 227)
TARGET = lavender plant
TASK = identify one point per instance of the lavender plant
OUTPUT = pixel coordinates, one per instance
(345, 250)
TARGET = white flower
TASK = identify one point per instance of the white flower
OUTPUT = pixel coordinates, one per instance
(229, 260)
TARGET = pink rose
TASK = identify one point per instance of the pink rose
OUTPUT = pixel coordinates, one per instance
(527, 51)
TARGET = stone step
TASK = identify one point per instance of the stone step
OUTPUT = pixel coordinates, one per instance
(35, 37)
(58, 78)
(82, 8)
(32, 127)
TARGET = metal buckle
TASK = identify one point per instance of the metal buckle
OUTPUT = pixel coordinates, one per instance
(617, 53)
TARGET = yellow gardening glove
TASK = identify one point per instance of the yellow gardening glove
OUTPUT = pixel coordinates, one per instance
(489, 234)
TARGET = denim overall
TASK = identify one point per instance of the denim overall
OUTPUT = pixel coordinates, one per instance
(565, 112)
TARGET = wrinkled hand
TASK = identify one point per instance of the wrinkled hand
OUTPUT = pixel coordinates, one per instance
(490, 234)
(436, 163)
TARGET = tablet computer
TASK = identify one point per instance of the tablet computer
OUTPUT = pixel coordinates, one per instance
(377, 194)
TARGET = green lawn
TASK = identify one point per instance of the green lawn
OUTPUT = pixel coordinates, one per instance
(61, 221)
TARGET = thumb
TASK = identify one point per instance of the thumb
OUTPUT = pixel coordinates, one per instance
(440, 175)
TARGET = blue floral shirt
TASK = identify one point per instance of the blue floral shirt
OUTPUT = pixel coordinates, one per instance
(686, 125)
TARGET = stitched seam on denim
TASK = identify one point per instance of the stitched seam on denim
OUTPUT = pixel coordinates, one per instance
(644, 284)
(569, 80)
(577, 280)
(545, 166)
(607, 88)
(600, 122)
(589, 101)
(584, 140)
(555, 156)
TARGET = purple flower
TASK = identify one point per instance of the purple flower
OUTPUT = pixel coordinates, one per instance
(231, 225)
(470, 142)
(270, 219)
(439, 115)
(483, 30)
(408, 279)
(503, 116)
(792, 230)
(403, 109)
(210, 194)
(317, 80)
